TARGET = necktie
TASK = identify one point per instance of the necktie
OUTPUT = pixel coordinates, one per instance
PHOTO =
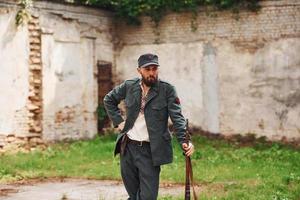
(143, 102)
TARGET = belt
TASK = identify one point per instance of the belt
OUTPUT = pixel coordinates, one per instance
(139, 143)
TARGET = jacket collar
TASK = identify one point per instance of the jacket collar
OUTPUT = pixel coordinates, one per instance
(153, 92)
(137, 92)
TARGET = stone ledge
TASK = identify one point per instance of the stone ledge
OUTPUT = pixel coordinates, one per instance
(21, 143)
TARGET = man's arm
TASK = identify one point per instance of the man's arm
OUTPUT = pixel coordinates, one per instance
(179, 123)
(111, 102)
(175, 114)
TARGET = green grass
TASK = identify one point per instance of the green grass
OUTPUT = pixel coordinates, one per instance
(223, 170)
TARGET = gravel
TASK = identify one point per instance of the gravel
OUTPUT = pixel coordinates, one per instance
(75, 189)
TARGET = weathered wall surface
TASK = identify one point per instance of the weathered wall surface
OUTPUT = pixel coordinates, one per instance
(49, 73)
(236, 74)
(73, 40)
(14, 85)
(259, 92)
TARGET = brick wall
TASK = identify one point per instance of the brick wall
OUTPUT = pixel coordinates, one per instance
(275, 20)
(49, 84)
(235, 74)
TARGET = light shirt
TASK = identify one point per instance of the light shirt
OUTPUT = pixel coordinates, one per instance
(139, 130)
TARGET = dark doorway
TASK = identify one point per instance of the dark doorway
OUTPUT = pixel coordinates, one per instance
(104, 86)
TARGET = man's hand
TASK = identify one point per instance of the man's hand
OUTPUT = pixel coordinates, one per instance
(120, 126)
(188, 149)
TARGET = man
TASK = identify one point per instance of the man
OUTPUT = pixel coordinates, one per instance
(144, 140)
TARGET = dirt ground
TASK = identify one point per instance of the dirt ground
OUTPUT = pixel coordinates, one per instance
(75, 189)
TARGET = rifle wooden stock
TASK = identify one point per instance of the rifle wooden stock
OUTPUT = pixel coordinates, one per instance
(188, 170)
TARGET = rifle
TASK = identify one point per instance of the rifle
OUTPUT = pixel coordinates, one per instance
(188, 169)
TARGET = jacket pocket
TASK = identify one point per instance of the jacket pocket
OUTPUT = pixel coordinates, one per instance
(159, 106)
(160, 110)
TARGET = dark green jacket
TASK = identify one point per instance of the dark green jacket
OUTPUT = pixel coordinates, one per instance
(162, 102)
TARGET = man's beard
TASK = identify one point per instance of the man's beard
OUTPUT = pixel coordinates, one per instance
(149, 82)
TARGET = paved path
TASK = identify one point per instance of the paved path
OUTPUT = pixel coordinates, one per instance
(74, 189)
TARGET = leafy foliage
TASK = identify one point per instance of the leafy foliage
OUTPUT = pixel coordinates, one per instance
(23, 14)
(101, 112)
(131, 10)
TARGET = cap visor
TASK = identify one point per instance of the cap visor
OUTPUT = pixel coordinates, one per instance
(148, 64)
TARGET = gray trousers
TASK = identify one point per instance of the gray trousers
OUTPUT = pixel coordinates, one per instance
(140, 177)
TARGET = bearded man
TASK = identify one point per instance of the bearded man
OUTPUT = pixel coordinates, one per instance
(144, 142)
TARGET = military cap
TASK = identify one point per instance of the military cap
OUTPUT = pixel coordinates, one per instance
(147, 59)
